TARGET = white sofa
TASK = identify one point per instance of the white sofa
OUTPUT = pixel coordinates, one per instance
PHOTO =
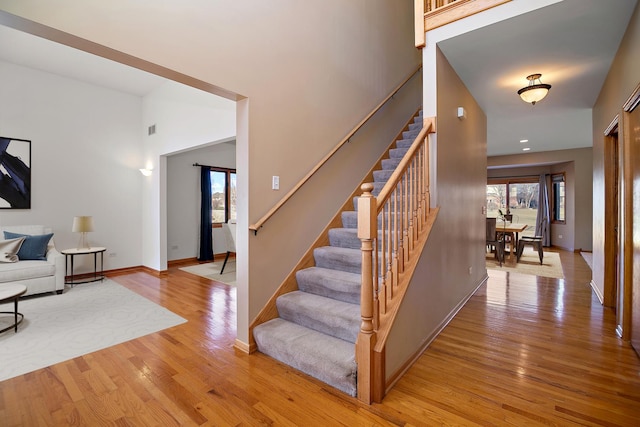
(37, 276)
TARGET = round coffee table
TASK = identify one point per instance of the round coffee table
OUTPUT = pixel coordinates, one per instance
(12, 292)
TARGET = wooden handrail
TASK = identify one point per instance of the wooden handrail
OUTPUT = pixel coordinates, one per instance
(258, 224)
(393, 228)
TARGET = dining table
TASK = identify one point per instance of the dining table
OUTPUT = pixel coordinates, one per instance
(512, 230)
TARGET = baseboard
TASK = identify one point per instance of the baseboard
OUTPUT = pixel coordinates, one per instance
(194, 260)
(393, 379)
(244, 347)
(597, 292)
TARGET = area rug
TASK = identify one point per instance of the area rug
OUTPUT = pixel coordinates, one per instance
(211, 271)
(83, 319)
(530, 264)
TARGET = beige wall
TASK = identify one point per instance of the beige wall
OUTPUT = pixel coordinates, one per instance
(452, 264)
(304, 74)
(577, 166)
(623, 77)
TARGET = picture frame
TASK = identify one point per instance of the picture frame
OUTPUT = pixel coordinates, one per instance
(15, 173)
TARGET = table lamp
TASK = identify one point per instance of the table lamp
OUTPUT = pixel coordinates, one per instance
(82, 225)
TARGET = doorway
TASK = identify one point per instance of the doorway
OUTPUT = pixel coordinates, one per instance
(631, 134)
(611, 295)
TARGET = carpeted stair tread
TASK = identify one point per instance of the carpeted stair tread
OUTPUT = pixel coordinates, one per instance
(321, 356)
(346, 238)
(336, 284)
(410, 134)
(397, 152)
(390, 163)
(343, 259)
(382, 175)
(332, 317)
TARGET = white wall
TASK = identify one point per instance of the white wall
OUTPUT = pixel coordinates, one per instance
(184, 117)
(183, 198)
(85, 155)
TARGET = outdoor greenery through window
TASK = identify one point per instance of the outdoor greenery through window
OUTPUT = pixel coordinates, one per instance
(223, 195)
(518, 196)
(558, 197)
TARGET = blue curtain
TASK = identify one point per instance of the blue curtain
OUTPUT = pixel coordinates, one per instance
(206, 236)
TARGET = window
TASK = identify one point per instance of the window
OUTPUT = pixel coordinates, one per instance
(519, 196)
(558, 198)
(223, 195)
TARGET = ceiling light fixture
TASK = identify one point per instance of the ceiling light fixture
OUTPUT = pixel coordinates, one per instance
(522, 141)
(534, 92)
(526, 149)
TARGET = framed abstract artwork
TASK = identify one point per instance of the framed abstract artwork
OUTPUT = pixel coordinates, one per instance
(15, 173)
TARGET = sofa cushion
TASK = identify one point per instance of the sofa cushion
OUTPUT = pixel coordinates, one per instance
(9, 249)
(33, 247)
(12, 272)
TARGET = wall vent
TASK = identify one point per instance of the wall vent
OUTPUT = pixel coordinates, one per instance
(152, 129)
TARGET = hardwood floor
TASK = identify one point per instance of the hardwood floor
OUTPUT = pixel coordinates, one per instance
(525, 350)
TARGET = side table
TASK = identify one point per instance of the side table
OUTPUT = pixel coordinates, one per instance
(12, 292)
(69, 254)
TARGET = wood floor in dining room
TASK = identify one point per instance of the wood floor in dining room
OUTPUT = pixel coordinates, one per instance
(525, 350)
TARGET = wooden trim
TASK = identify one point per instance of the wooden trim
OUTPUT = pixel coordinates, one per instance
(418, 16)
(611, 216)
(244, 347)
(256, 226)
(633, 100)
(613, 126)
(457, 10)
(290, 284)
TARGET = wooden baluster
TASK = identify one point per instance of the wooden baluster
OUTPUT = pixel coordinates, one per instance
(427, 196)
(421, 169)
(395, 236)
(367, 232)
(381, 267)
(387, 236)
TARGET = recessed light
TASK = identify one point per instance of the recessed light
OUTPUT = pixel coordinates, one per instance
(526, 149)
(522, 141)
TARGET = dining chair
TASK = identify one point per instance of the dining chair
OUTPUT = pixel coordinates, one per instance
(229, 230)
(495, 241)
(535, 241)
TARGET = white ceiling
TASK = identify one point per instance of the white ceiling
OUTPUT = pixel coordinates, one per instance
(571, 43)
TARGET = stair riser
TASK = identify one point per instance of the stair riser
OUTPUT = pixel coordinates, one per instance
(335, 318)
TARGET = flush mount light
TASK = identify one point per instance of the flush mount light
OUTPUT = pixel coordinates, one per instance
(535, 91)
(526, 149)
(522, 141)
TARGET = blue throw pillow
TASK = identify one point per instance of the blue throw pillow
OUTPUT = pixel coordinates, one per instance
(33, 247)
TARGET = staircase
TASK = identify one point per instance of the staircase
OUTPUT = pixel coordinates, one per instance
(319, 323)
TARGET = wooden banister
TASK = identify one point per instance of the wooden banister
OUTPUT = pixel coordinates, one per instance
(430, 14)
(258, 224)
(393, 228)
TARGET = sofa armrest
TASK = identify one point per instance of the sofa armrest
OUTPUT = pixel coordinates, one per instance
(57, 259)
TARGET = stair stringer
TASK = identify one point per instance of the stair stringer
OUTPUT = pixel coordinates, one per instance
(290, 284)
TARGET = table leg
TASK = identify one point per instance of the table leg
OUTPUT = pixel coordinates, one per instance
(15, 314)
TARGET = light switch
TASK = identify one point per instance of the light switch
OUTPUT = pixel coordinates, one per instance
(275, 182)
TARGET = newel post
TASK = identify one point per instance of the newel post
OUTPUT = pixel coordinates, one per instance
(367, 232)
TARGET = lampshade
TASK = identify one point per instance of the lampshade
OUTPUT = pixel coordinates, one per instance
(535, 91)
(82, 224)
